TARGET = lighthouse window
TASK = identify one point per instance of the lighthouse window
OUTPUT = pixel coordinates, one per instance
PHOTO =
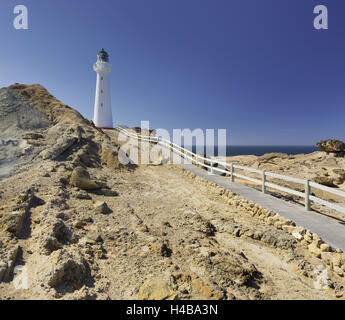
(101, 78)
(101, 90)
(101, 104)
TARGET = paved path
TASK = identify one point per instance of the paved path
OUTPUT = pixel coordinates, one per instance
(329, 230)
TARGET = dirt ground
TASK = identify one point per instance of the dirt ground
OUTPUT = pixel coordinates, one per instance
(163, 229)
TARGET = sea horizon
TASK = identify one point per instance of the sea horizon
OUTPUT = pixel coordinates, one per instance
(259, 150)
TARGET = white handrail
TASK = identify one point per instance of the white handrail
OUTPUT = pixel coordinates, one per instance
(247, 178)
(236, 166)
(328, 204)
(195, 157)
(327, 189)
(287, 190)
(287, 178)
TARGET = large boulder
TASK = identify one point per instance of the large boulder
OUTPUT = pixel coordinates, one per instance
(80, 178)
(332, 145)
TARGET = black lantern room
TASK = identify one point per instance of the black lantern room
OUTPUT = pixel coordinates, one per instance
(102, 56)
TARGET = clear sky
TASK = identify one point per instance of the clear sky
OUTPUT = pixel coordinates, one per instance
(255, 67)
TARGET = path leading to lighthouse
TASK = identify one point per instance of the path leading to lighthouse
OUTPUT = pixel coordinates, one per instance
(329, 230)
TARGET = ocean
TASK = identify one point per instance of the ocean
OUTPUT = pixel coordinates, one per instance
(261, 150)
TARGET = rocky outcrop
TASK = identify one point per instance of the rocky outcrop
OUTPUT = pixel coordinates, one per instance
(88, 154)
(60, 147)
(339, 176)
(33, 122)
(332, 146)
(12, 221)
(53, 109)
(55, 233)
(7, 262)
(14, 149)
(67, 272)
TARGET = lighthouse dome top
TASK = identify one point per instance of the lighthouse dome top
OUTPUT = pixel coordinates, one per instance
(102, 56)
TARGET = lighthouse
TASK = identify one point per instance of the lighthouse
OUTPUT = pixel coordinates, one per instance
(102, 113)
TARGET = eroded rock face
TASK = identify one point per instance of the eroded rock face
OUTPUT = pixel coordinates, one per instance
(332, 145)
(13, 221)
(88, 155)
(80, 178)
(7, 262)
(68, 270)
(339, 175)
(60, 147)
(54, 236)
(17, 117)
(109, 155)
(33, 122)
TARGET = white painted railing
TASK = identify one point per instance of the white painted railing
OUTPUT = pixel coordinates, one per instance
(229, 169)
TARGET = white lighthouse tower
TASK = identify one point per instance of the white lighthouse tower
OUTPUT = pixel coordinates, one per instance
(102, 114)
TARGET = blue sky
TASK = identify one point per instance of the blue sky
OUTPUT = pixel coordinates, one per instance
(257, 68)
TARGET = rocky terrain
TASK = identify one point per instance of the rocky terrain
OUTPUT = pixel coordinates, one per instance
(75, 223)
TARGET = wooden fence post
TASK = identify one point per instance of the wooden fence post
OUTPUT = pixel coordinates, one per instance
(307, 195)
(232, 173)
(263, 181)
